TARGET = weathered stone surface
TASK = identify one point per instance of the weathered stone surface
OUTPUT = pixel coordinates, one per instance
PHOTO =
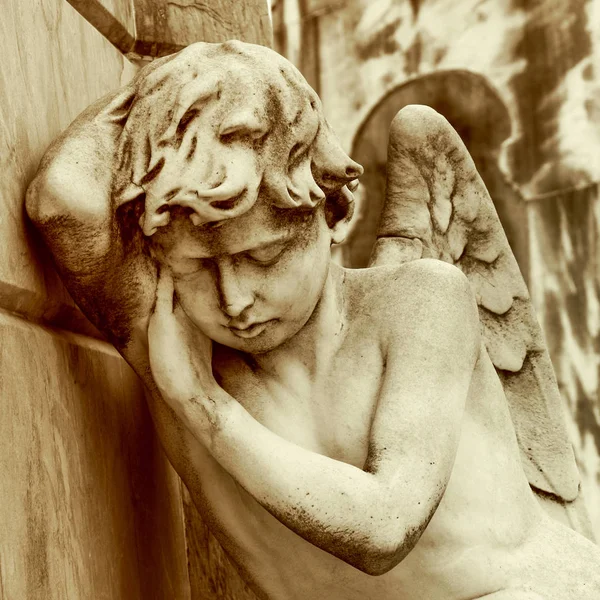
(423, 145)
(152, 28)
(166, 27)
(89, 506)
(350, 419)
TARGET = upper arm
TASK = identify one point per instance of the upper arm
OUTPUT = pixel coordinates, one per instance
(73, 182)
(431, 349)
(69, 200)
(75, 177)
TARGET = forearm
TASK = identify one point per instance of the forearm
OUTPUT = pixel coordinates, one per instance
(338, 507)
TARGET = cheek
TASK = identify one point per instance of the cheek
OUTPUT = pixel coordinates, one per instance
(297, 285)
(197, 297)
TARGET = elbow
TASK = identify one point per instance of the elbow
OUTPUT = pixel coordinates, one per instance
(375, 565)
(47, 198)
(378, 557)
(34, 200)
(62, 190)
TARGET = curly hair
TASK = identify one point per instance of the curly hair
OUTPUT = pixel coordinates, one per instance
(200, 136)
(210, 127)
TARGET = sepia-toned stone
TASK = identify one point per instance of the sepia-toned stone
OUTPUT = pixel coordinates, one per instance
(510, 328)
(351, 419)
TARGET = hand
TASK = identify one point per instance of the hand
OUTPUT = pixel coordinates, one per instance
(180, 361)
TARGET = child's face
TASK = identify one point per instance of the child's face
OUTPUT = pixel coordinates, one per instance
(252, 282)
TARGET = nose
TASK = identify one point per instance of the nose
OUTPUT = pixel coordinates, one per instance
(234, 297)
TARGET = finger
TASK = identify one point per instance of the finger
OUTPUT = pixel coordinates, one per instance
(180, 314)
(185, 322)
(164, 292)
(199, 340)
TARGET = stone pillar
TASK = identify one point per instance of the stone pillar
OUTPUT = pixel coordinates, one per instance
(89, 505)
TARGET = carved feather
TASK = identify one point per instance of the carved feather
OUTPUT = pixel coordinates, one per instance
(437, 206)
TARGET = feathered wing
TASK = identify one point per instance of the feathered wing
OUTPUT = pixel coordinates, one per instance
(437, 206)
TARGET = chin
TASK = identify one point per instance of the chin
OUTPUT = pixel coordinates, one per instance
(271, 338)
(254, 346)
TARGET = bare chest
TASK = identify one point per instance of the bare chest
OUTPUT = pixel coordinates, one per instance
(331, 416)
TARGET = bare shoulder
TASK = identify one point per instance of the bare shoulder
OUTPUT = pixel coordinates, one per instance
(425, 293)
(428, 281)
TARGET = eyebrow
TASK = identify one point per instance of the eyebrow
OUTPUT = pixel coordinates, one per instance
(283, 239)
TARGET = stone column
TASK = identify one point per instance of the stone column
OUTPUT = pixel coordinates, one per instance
(89, 505)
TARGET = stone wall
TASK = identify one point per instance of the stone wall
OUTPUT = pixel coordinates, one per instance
(89, 506)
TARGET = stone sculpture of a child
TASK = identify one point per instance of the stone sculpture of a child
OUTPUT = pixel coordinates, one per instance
(344, 432)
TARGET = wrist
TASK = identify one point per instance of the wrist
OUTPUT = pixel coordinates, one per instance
(229, 417)
(202, 413)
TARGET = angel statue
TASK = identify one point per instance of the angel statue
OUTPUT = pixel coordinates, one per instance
(385, 433)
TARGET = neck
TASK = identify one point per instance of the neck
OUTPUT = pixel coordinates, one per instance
(315, 345)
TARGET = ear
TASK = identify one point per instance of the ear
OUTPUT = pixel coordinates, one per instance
(339, 209)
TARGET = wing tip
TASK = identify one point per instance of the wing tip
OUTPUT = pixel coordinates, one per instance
(414, 121)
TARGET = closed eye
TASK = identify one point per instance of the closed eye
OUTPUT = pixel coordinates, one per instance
(267, 255)
(297, 153)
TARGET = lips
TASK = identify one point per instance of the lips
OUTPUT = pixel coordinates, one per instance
(249, 331)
